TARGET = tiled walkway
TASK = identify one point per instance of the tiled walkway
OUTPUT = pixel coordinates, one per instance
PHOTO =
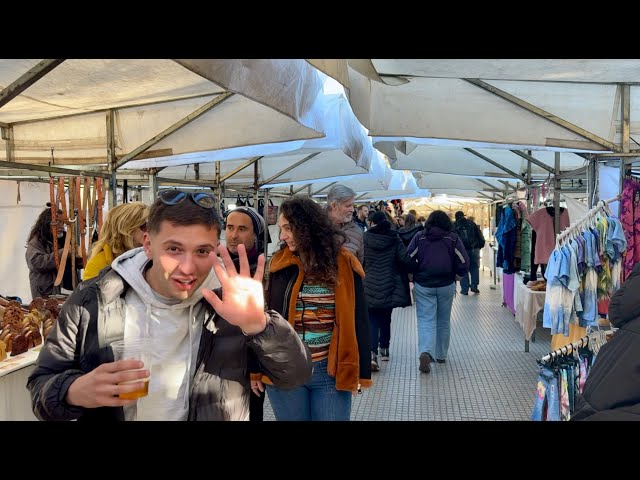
(488, 376)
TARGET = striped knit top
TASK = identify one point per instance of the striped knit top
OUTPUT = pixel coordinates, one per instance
(315, 319)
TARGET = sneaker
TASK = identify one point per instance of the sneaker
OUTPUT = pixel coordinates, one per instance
(384, 354)
(475, 290)
(440, 360)
(425, 360)
(464, 293)
(374, 363)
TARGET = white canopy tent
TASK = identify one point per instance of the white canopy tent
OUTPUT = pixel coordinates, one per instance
(532, 103)
(345, 150)
(486, 163)
(163, 107)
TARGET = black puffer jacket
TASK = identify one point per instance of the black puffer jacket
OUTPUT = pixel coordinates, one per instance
(612, 390)
(91, 319)
(386, 264)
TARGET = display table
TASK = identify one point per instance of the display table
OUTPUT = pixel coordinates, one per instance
(528, 304)
(15, 400)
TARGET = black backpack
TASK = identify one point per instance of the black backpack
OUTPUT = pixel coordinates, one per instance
(466, 231)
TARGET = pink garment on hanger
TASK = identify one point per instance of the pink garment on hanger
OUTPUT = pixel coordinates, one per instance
(542, 222)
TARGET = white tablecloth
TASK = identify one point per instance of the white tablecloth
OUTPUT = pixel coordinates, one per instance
(15, 400)
(528, 304)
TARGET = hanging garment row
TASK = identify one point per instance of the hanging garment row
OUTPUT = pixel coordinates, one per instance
(583, 270)
(630, 217)
(562, 376)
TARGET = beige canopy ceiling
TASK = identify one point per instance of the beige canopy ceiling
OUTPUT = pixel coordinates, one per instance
(177, 106)
(532, 103)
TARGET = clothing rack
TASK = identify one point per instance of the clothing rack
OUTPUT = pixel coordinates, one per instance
(588, 217)
(597, 336)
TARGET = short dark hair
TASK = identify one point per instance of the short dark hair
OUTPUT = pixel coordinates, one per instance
(459, 214)
(378, 218)
(183, 214)
(439, 219)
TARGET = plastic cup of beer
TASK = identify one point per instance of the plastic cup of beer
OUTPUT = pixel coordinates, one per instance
(133, 350)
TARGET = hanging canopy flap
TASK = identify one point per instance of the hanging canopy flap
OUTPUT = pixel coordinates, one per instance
(66, 108)
(379, 175)
(442, 181)
(345, 140)
(401, 185)
(461, 161)
(345, 150)
(339, 70)
(514, 102)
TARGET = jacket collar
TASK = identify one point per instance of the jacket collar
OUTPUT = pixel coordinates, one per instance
(285, 258)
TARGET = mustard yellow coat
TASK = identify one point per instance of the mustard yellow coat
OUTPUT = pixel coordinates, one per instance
(98, 262)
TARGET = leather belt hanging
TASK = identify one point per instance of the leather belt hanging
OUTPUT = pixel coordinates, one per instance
(71, 230)
(67, 240)
(100, 203)
(91, 206)
(54, 220)
(83, 219)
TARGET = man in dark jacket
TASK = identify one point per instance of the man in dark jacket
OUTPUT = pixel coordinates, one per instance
(198, 365)
(612, 389)
(473, 241)
(386, 284)
(245, 226)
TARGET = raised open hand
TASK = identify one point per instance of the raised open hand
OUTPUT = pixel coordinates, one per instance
(242, 301)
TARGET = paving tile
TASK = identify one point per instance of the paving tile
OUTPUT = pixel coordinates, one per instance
(488, 375)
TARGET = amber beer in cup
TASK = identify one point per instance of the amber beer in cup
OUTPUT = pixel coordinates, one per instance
(132, 350)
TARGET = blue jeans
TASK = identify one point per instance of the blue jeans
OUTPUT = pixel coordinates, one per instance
(474, 271)
(433, 309)
(546, 397)
(317, 400)
(380, 321)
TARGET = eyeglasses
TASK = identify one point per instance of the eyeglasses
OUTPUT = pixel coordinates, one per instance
(174, 197)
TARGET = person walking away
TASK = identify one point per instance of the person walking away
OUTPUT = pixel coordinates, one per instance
(123, 229)
(317, 285)
(441, 257)
(162, 293)
(473, 241)
(340, 209)
(386, 282)
(245, 226)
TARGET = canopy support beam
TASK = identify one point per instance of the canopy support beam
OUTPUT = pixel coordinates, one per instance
(175, 127)
(534, 160)
(544, 114)
(289, 168)
(241, 167)
(29, 78)
(497, 165)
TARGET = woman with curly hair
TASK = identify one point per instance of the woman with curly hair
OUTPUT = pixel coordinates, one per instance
(122, 230)
(317, 285)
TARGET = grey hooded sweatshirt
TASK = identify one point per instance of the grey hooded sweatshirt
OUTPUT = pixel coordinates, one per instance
(119, 303)
(173, 327)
